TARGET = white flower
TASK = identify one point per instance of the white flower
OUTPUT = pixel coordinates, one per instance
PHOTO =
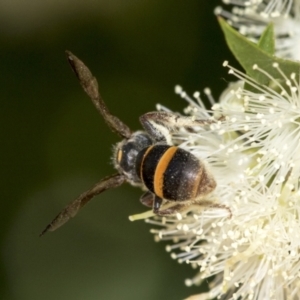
(251, 17)
(253, 150)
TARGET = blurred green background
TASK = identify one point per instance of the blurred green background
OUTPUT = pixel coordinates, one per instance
(55, 145)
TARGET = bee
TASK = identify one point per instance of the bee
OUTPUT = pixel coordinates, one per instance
(145, 158)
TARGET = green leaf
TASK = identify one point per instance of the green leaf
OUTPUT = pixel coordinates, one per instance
(248, 54)
(267, 40)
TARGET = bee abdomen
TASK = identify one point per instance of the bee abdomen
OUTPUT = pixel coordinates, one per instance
(147, 162)
(173, 173)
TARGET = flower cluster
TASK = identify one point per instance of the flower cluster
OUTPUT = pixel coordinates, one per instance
(254, 155)
(251, 17)
(253, 150)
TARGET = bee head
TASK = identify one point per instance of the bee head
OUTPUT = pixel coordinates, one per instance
(125, 154)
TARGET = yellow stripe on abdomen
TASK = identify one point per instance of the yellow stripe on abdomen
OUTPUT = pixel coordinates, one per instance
(160, 170)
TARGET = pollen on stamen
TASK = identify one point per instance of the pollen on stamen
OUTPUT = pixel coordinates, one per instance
(283, 93)
(216, 106)
(293, 76)
(196, 95)
(294, 89)
(183, 94)
(200, 231)
(187, 249)
(207, 91)
(225, 63)
(288, 83)
(178, 89)
(168, 248)
(157, 239)
(188, 282)
(178, 216)
(185, 227)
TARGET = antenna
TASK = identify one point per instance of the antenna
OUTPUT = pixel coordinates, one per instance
(90, 85)
(72, 208)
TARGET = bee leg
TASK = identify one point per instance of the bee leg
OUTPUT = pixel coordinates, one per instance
(182, 206)
(210, 204)
(168, 211)
(222, 206)
(160, 125)
(157, 204)
(147, 199)
(171, 210)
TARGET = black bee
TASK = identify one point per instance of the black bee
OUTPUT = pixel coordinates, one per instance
(145, 158)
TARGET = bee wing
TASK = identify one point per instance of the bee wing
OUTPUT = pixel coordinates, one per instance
(90, 85)
(72, 208)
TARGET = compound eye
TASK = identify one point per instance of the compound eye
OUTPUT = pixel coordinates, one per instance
(126, 156)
